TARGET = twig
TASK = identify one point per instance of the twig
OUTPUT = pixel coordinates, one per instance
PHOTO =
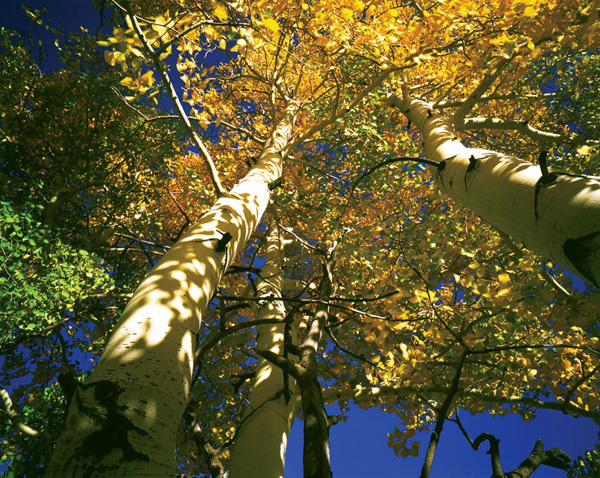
(212, 169)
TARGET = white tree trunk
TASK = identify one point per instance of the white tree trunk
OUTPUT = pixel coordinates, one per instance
(123, 421)
(558, 219)
(260, 445)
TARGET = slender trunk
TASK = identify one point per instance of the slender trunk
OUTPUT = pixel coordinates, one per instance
(316, 453)
(260, 444)
(316, 422)
(123, 420)
(554, 214)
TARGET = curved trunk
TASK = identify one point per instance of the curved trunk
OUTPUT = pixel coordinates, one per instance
(556, 215)
(123, 420)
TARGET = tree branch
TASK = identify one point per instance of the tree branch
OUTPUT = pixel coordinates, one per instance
(555, 457)
(9, 409)
(512, 125)
(494, 452)
(487, 81)
(212, 169)
(442, 413)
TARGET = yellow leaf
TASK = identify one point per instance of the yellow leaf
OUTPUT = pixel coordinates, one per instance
(127, 81)
(210, 32)
(271, 24)
(109, 57)
(504, 280)
(584, 150)
(119, 35)
(346, 13)
(148, 78)
(529, 12)
(136, 52)
(220, 13)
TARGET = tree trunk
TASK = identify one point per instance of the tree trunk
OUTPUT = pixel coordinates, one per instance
(260, 444)
(123, 420)
(556, 215)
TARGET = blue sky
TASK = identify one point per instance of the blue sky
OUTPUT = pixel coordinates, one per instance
(359, 446)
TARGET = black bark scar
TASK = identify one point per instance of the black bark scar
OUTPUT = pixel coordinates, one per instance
(114, 425)
(470, 167)
(581, 251)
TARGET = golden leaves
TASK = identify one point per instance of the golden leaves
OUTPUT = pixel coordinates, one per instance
(271, 24)
(346, 13)
(398, 441)
(220, 13)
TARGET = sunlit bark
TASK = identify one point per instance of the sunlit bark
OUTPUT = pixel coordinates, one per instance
(260, 443)
(556, 215)
(123, 420)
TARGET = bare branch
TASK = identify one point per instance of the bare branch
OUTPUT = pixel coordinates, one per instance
(494, 452)
(442, 413)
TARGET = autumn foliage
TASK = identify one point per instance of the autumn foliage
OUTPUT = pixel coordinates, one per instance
(431, 311)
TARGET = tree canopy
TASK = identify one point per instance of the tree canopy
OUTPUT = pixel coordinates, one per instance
(387, 203)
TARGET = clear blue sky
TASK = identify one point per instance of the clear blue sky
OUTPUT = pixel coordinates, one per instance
(359, 446)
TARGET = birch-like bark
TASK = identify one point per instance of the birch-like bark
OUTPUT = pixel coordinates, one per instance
(123, 420)
(556, 217)
(260, 443)
(316, 459)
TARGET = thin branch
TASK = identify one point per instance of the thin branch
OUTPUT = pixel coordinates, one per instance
(9, 409)
(339, 113)
(399, 391)
(580, 382)
(500, 97)
(302, 241)
(209, 454)
(391, 161)
(487, 81)
(211, 342)
(554, 283)
(380, 165)
(187, 218)
(442, 412)
(494, 452)
(513, 125)
(317, 301)
(346, 351)
(141, 242)
(212, 169)
(248, 133)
